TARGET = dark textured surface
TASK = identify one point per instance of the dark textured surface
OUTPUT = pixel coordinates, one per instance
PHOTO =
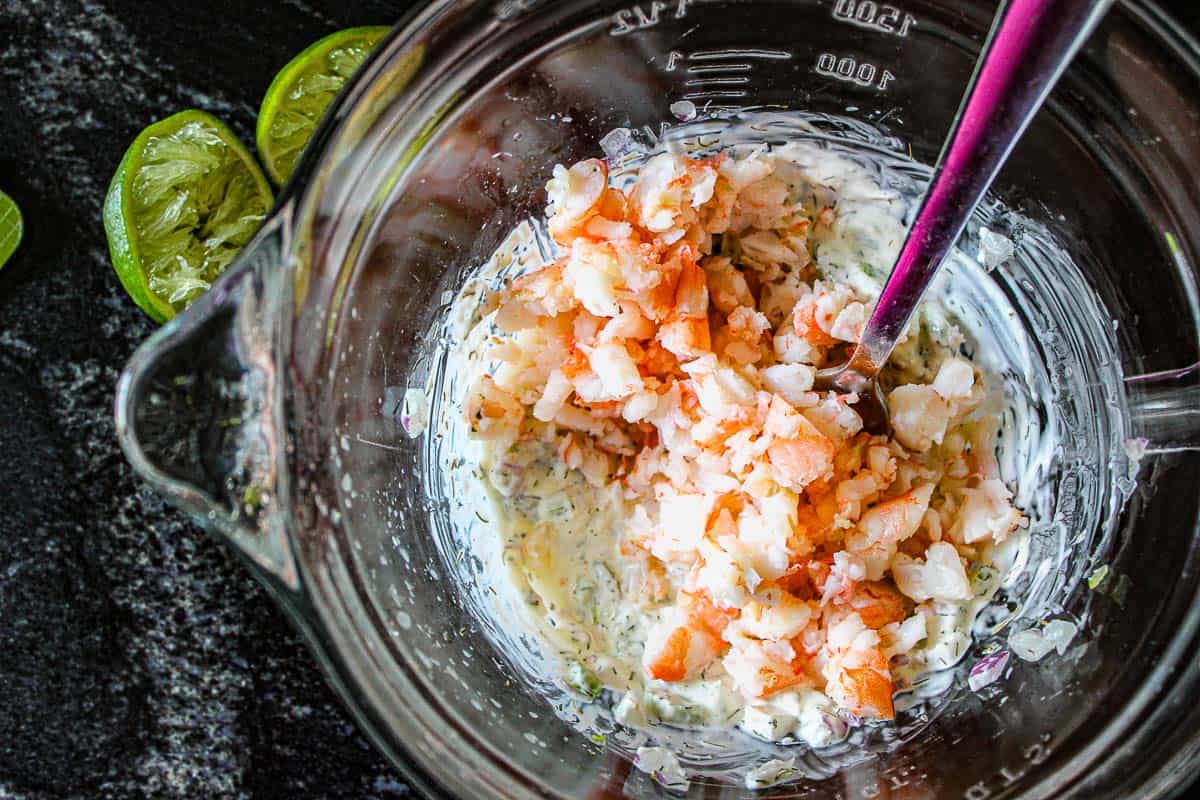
(137, 658)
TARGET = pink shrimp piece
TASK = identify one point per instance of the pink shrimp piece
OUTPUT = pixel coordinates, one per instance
(863, 684)
(805, 322)
(493, 413)
(877, 603)
(682, 652)
(802, 458)
(895, 520)
(575, 196)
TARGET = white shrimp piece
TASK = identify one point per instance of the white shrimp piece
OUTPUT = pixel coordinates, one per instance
(727, 287)
(574, 195)
(720, 574)
(778, 298)
(899, 638)
(792, 382)
(764, 535)
(619, 376)
(853, 493)
(576, 419)
(598, 227)
(668, 192)
(741, 172)
(985, 513)
(683, 519)
(895, 520)
(856, 670)
(850, 633)
(919, 416)
(761, 668)
(534, 296)
(704, 183)
(640, 406)
(834, 418)
(526, 361)
(592, 274)
(722, 392)
(685, 337)
(746, 329)
(762, 205)
(774, 614)
(955, 379)
(791, 348)
(675, 650)
(492, 413)
(629, 323)
(558, 390)
(800, 459)
(849, 323)
(876, 557)
(850, 566)
(941, 576)
(882, 462)
(763, 249)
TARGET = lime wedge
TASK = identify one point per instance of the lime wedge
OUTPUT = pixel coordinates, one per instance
(11, 227)
(186, 199)
(300, 93)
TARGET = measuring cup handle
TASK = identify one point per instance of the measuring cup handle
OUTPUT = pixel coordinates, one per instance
(1165, 409)
(196, 407)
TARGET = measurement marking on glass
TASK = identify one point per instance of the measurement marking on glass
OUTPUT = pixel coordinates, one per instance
(715, 94)
(724, 81)
(717, 55)
(849, 69)
(874, 16)
(704, 69)
(647, 15)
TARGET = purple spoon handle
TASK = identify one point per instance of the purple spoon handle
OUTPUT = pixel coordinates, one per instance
(1030, 45)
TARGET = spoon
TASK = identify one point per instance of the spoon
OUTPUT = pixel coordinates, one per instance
(1030, 45)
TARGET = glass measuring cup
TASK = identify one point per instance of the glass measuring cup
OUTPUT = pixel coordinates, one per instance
(272, 409)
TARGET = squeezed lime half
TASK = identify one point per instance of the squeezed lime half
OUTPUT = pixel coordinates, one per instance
(186, 198)
(12, 227)
(300, 93)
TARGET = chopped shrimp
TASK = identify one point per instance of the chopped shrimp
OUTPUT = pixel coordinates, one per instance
(575, 196)
(727, 286)
(533, 296)
(857, 672)
(804, 319)
(895, 520)
(919, 416)
(493, 413)
(761, 668)
(985, 513)
(940, 577)
(685, 337)
(875, 602)
(703, 613)
(677, 650)
(802, 457)
(743, 336)
(766, 539)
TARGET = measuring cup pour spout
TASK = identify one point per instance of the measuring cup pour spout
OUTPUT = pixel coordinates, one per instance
(197, 404)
